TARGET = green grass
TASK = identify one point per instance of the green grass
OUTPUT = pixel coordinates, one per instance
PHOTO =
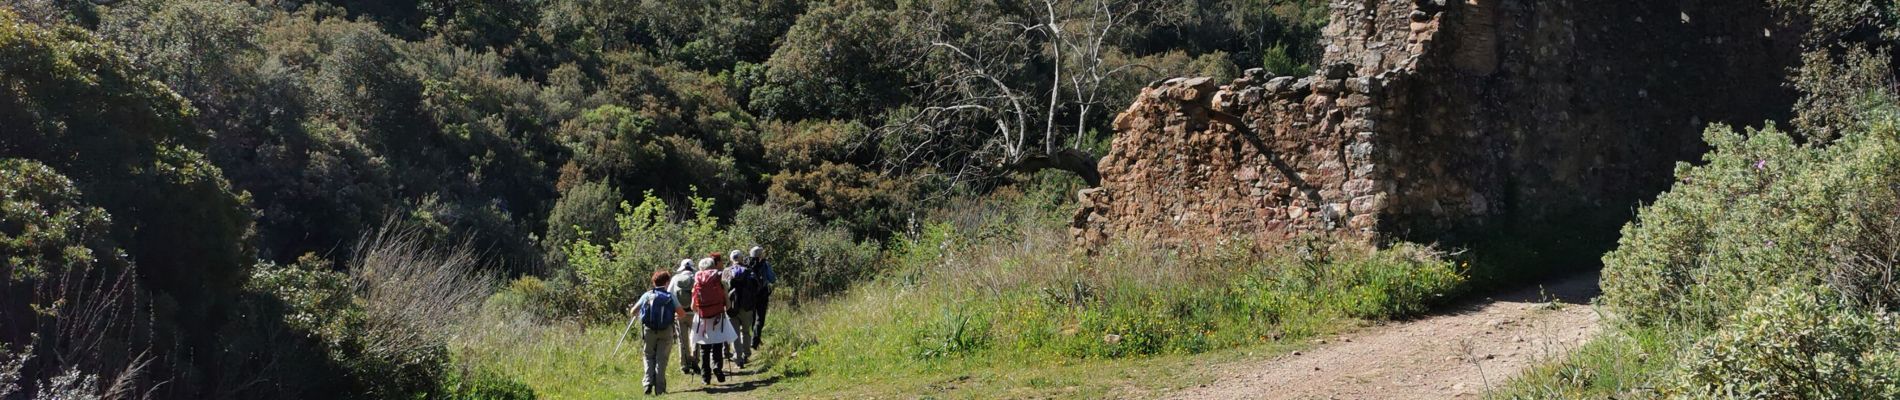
(1623, 363)
(993, 319)
(573, 363)
(991, 300)
(1006, 319)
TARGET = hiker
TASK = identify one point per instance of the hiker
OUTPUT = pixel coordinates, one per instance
(657, 310)
(744, 287)
(682, 287)
(712, 329)
(756, 261)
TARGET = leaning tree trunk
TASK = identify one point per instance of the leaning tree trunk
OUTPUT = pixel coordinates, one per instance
(1081, 163)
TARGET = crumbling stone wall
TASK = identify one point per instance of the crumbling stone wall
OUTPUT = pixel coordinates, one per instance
(1439, 122)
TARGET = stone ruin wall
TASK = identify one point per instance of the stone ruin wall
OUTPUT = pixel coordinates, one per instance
(1434, 122)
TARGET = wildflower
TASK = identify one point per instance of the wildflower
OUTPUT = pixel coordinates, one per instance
(1761, 164)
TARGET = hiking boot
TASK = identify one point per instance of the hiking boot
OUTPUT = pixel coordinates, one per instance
(722, 376)
(647, 391)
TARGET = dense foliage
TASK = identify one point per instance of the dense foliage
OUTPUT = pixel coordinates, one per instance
(1766, 271)
(244, 150)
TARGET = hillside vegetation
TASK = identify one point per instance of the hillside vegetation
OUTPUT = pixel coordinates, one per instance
(457, 199)
(287, 199)
(1766, 271)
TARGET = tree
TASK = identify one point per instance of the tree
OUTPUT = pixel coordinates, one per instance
(67, 293)
(1029, 124)
(82, 109)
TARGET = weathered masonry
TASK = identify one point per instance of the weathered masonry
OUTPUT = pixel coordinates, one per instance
(1441, 121)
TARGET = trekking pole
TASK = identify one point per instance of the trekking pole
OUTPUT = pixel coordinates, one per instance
(623, 335)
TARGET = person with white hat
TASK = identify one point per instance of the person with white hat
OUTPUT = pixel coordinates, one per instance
(682, 288)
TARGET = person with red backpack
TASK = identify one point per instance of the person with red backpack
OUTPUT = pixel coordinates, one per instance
(656, 310)
(712, 330)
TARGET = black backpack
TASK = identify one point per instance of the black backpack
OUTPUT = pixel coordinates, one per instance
(748, 291)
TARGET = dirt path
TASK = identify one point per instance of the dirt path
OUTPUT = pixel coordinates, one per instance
(1453, 355)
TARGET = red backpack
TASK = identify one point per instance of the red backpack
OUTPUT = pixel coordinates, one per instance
(709, 293)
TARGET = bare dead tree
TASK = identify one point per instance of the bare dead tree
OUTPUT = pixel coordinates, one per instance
(1013, 122)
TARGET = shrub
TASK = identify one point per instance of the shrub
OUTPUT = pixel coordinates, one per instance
(1762, 211)
(587, 207)
(810, 259)
(1797, 343)
(385, 324)
(482, 384)
(611, 275)
(66, 288)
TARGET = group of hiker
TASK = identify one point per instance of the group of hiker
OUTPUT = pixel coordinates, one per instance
(726, 298)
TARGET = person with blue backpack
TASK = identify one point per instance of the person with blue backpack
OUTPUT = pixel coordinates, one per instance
(657, 310)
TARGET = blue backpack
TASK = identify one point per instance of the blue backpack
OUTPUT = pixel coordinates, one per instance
(659, 312)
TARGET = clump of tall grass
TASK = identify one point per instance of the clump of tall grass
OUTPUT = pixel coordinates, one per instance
(386, 324)
(413, 294)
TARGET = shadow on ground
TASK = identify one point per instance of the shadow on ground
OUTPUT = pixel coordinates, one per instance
(738, 387)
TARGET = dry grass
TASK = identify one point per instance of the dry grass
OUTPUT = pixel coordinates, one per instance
(415, 295)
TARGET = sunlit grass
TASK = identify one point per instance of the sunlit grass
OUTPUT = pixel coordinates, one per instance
(1622, 363)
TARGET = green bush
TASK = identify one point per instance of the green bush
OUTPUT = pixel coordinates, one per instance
(1761, 211)
(66, 288)
(321, 303)
(1801, 343)
(810, 259)
(482, 384)
(585, 208)
(611, 275)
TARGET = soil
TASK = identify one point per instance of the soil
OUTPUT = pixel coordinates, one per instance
(1458, 354)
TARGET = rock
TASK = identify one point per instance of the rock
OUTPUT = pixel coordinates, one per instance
(1280, 84)
(1086, 197)
(1363, 84)
(1328, 86)
(1420, 16)
(1339, 70)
